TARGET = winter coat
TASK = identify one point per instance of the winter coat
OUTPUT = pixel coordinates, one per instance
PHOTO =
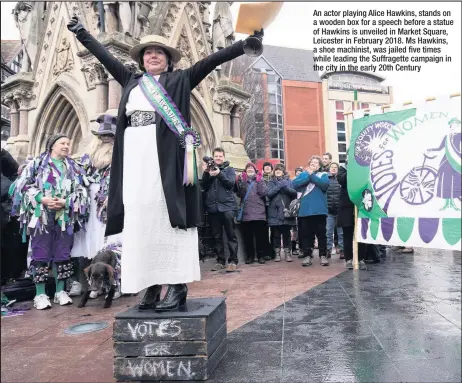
(9, 173)
(8, 165)
(314, 202)
(254, 207)
(267, 177)
(346, 212)
(333, 195)
(183, 202)
(219, 196)
(280, 194)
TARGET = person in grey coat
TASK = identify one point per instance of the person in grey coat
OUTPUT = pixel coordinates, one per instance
(280, 194)
(253, 225)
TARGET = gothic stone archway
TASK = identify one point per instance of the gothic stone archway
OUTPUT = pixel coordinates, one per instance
(61, 112)
(201, 122)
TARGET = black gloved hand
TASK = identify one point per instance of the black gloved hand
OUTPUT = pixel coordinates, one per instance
(258, 34)
(74, 24)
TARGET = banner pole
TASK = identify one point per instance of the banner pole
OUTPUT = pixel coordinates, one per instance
(355, 241)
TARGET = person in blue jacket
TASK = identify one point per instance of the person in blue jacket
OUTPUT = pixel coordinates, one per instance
(312, 185)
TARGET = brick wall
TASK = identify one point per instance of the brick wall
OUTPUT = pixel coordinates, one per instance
(303, 122)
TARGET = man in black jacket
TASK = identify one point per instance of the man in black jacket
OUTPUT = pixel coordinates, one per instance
(333, 201)
(220, 204)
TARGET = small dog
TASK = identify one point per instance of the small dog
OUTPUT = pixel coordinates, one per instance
(100, 274)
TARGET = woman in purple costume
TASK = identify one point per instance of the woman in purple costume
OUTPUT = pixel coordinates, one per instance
(449, 180)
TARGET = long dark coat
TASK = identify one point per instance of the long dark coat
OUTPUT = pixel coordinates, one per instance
(182, 201)
(280, 194)
(346, 211)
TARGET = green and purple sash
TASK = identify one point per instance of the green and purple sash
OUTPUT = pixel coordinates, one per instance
(188, 138)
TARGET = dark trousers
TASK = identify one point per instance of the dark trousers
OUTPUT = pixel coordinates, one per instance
(14, 251)
(348, 233)
(277, 232)
(309, 228)
(218, 222)
(255, 231)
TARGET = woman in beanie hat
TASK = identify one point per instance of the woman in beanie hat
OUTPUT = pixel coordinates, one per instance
(280, 194)
(156, 202)
(251, 188)
(51, 200)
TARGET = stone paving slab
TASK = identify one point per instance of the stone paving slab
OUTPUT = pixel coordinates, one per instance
(251, 292)
(399, 321)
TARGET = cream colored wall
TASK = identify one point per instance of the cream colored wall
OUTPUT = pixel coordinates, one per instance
(330, 121)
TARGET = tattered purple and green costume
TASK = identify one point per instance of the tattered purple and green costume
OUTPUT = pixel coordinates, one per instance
(52, 231)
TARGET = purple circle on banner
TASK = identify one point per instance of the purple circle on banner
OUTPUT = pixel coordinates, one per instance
(368, 141)
(387, 227)
(364, 227)
(428, 227)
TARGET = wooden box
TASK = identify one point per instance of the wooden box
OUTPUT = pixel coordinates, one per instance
(178, 345)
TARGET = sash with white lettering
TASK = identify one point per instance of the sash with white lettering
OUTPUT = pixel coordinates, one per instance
(188, 138)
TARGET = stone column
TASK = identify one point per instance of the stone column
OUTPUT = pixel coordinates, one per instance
(14, 118)
(115, 92)
(235, 123)
(101, 86)
(23, 97)
(23, 121)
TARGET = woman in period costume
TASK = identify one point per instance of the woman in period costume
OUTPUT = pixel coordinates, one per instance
(51, 200)
(449, 180)
(153, 193)
(97, 165)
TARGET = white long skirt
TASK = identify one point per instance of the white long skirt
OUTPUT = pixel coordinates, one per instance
(154, 253)
(87, 243)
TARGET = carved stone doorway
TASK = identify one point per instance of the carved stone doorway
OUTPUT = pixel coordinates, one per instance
(202, 124)
(61, 112)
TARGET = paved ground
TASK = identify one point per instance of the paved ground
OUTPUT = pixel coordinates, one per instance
(398, 321)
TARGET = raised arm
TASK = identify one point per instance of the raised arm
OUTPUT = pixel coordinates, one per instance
(120, 73)
(202, 68)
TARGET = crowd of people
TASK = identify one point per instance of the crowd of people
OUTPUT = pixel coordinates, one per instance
(60, 204)
(146, 213)
(270, 228)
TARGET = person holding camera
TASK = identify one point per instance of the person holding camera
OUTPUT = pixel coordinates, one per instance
(280, 194)
(218, 182)
(156, 202)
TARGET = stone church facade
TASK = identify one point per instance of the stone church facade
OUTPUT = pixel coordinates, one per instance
(63, 88)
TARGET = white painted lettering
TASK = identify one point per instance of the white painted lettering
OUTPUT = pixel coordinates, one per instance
(170, 373)
(135, 370)
(182, 369)
(132, 330)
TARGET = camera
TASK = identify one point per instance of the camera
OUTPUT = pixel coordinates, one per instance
(211, 165)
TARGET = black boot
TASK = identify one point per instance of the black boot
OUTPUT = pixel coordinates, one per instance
(151, 298)
(174, 298)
